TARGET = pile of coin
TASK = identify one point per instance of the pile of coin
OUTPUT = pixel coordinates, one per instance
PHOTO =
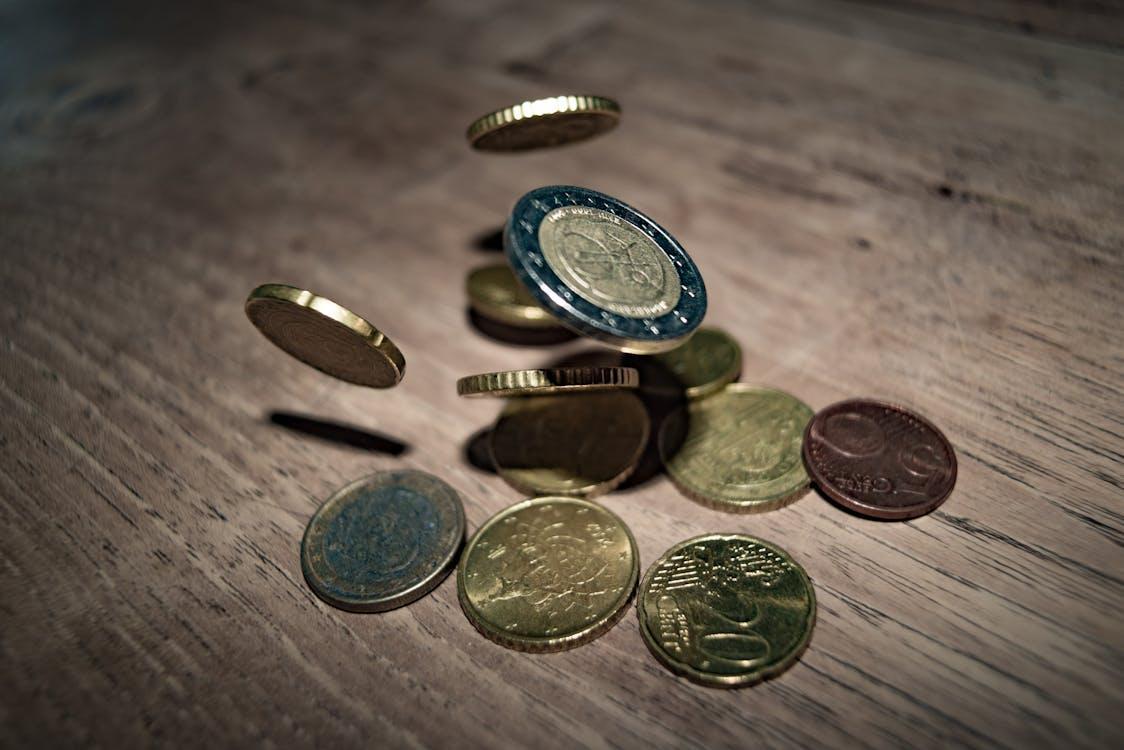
(556, 570)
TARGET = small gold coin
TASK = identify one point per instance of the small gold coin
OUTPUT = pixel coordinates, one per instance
(495, 293)
(739, 450)
(324, 335)
(726, 610)
(709, 360)
(583, 445)
(548, 574)
(546, 381)
(543, 123)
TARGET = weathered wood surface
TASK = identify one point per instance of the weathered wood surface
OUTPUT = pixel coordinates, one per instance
(884, 201)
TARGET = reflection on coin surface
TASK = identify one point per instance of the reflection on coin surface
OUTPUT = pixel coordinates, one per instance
(738, 450)
(383, 541)
(879, 460)
(495, 293)
(320, 333)
(548, 380)
(703, 365)
(604, 270)
(578, 444)
(548, 574)
(543, 123)
(726, 610)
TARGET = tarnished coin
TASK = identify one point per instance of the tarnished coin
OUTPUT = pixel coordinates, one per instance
(703, 365)
(549, 380)
(726, 610)
(495, 293)
(579, 444)
(879, 460)
(383, 541)
(320, 333)
(543, 123)
(548, 574)
(739, 449)
(604, 269)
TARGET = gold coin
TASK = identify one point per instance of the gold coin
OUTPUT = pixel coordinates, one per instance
(581, 445)
(709, 360)
(548, 574)
(726, 610)
(549, 380)
(495, 293)
(738, 450)
(324, 335)
(543, 123)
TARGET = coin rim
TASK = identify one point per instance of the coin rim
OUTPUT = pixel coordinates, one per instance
(564, 105)
(725, 681)
(630, 335)
(547, 380)
(407, 596)
(877, 512)
(587, 491)
(546, 644)
(372, 337)
(721, 504)
(512, 313)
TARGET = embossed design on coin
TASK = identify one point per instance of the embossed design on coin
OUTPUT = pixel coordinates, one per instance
(708, 361)
(609, 262)
(726, 610)
(548, 574)
(544, 123)
(383, 541)
(580, 444)
(738, 450)
(325, 335)
(879, 460)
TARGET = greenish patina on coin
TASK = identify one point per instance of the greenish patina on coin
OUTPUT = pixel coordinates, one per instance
(383, 541)
(726, 610)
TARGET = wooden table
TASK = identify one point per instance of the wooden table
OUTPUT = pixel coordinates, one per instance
(918, 202)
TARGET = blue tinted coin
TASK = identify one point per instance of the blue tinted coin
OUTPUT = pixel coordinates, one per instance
(604, 269)
(383, 541)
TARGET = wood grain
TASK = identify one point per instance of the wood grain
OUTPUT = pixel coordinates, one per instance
(913, 205)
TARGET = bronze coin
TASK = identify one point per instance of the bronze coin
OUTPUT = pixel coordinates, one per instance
(879, 460)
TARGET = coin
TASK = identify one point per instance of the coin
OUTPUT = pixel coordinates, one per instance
(709, 360)
(548, 380)
(879, 460)
(726, 610)
(578, 444)
(543, 123)
(495, 293)
(548, 574)
(324, 335)
(604, 269)
(383, 541)
(739, 449)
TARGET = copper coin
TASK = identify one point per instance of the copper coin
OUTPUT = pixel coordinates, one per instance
(879, 460)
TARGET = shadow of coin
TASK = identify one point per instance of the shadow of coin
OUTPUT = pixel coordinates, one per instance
(662, 409)
(587, 358)
(491, 240)
(477, 452)
(339, 433)
(515, 335)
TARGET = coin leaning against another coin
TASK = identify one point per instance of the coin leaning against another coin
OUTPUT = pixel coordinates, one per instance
(726, 610)
(548, 574)
(383, 541)
(495, 293)
(543, 123)
(547, 381)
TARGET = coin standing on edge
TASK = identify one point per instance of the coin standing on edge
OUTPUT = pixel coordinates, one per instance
(739, 449)
(709, 360)
(604, 270)
(543, 123)
(548, 574)
(547, 381)
(325, 335)
(495, 293)
(579, 445)
(879, 460)
(383, 541)
(726, 610)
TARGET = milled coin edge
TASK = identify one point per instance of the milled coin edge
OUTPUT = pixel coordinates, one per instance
(550, 380)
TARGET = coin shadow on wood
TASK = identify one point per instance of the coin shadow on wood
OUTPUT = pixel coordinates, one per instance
(491, 240)
(515, 335)
(477, 452)
(339, 433)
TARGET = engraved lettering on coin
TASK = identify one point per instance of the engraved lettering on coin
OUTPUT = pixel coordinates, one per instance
(609, 261)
